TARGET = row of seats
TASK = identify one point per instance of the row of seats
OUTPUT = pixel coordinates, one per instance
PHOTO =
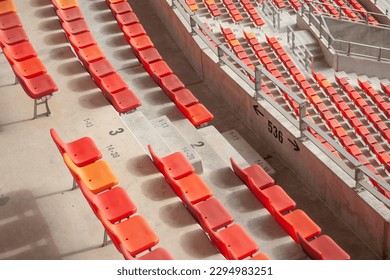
(375, 96)
(385, 88)
(110, 82)
(355, 122)
(364, 107)
(233, 11)
(22, 57)
(232, 241)
(129, 232)
(253, 14)
(239, 51)
(363, 12)
(192, 5)
(295, 222)
(213, 8)
(156, 67)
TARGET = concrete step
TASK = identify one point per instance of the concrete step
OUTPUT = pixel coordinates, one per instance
(176, 142)
(221, 146)
(246, 150)
(145, 133)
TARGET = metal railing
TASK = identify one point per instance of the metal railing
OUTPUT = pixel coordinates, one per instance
(358, 172)
(343, 47)
(298, 48)
(269, 9)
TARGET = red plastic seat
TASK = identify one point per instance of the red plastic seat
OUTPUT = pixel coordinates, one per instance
(30, 68)
(90, 54)
(112, 83)
(75, 27)
(21, 51)
(128, 18)
(155, 254)
(297, 221)
(322, 248)
(124, 101)
(175, 165)
(100, 68)
(39, 86)
(192, 187)
(197, 113)
(213, 213)
(149, 56)
(133, 235)
(276, 196)
(159, 70)
(120, 7)
(184, 96)
(70, 14)
(140, 43)
(13, 36)
(82, 151)
(10, 20)
(134, 30)
(260, 178)
(170, 84)
(82, 40)
(233, 242)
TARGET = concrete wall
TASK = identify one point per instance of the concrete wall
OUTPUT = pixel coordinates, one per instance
(360, 211)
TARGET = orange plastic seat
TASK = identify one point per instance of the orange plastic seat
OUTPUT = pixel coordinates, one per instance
(191, 186)
(82, 151)
(9, 20)
(174, 166)
(97, 176)
(260, 256)
(13, 36)
(213, 213)
(133, 235)
(66, 4)
(124, 101)
(297, 221)
(21, 51)
(233, 242)
(322, 248)
(7, 6)
(260, 178)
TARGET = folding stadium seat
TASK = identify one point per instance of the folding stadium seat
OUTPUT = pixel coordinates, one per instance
(170, 84)
(112, 83)
(9, 20)
(354, 150)
(90, 54)
(175, 165)
(21, 51)
(115, 204)
(75, 27)
(191, 186)
(260, 178)
(322, 248)
(133, 30)
(128, 18)
(192, 5)
(159, 70)
(124, 101)
(97, 176)
(29, 68)
(155, 254)
(346, 141)
(37, 87)
(385, 88)
(7, 6)
(100, 68)
(70, 14)
(276, 196)
(197, 113)
(133, 235)
(185, 97)
(120, 7)
(233, 242)
(65, 4)
(213, 213)
(82, 40)
(13, 36)
(140, 43)
(297, 221)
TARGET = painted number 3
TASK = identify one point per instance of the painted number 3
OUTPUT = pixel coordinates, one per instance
(112, 132)
(275, 132)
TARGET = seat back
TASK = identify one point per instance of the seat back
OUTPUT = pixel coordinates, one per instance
(308, 249)
(58, 141)
(157, 161)
(239, 171)
(288, 227)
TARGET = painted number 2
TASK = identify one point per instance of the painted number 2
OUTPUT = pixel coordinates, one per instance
(275, 132)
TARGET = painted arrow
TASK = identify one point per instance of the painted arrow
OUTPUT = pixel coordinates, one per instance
(256, 108)
(295, 144)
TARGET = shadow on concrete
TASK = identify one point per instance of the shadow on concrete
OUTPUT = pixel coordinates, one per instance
(196, 244)
(157, 189)
(176, 215)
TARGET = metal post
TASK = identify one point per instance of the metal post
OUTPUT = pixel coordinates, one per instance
(293, 43)
(359, 175)
(380, 54)
(349, 49)
(258, 85)
(302, 124)
(193, 25)
(320, 29)
(220, 55)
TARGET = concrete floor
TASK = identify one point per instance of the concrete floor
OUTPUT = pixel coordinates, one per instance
(41, 218)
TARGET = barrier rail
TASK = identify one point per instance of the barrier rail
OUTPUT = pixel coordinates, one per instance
(225, 57)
